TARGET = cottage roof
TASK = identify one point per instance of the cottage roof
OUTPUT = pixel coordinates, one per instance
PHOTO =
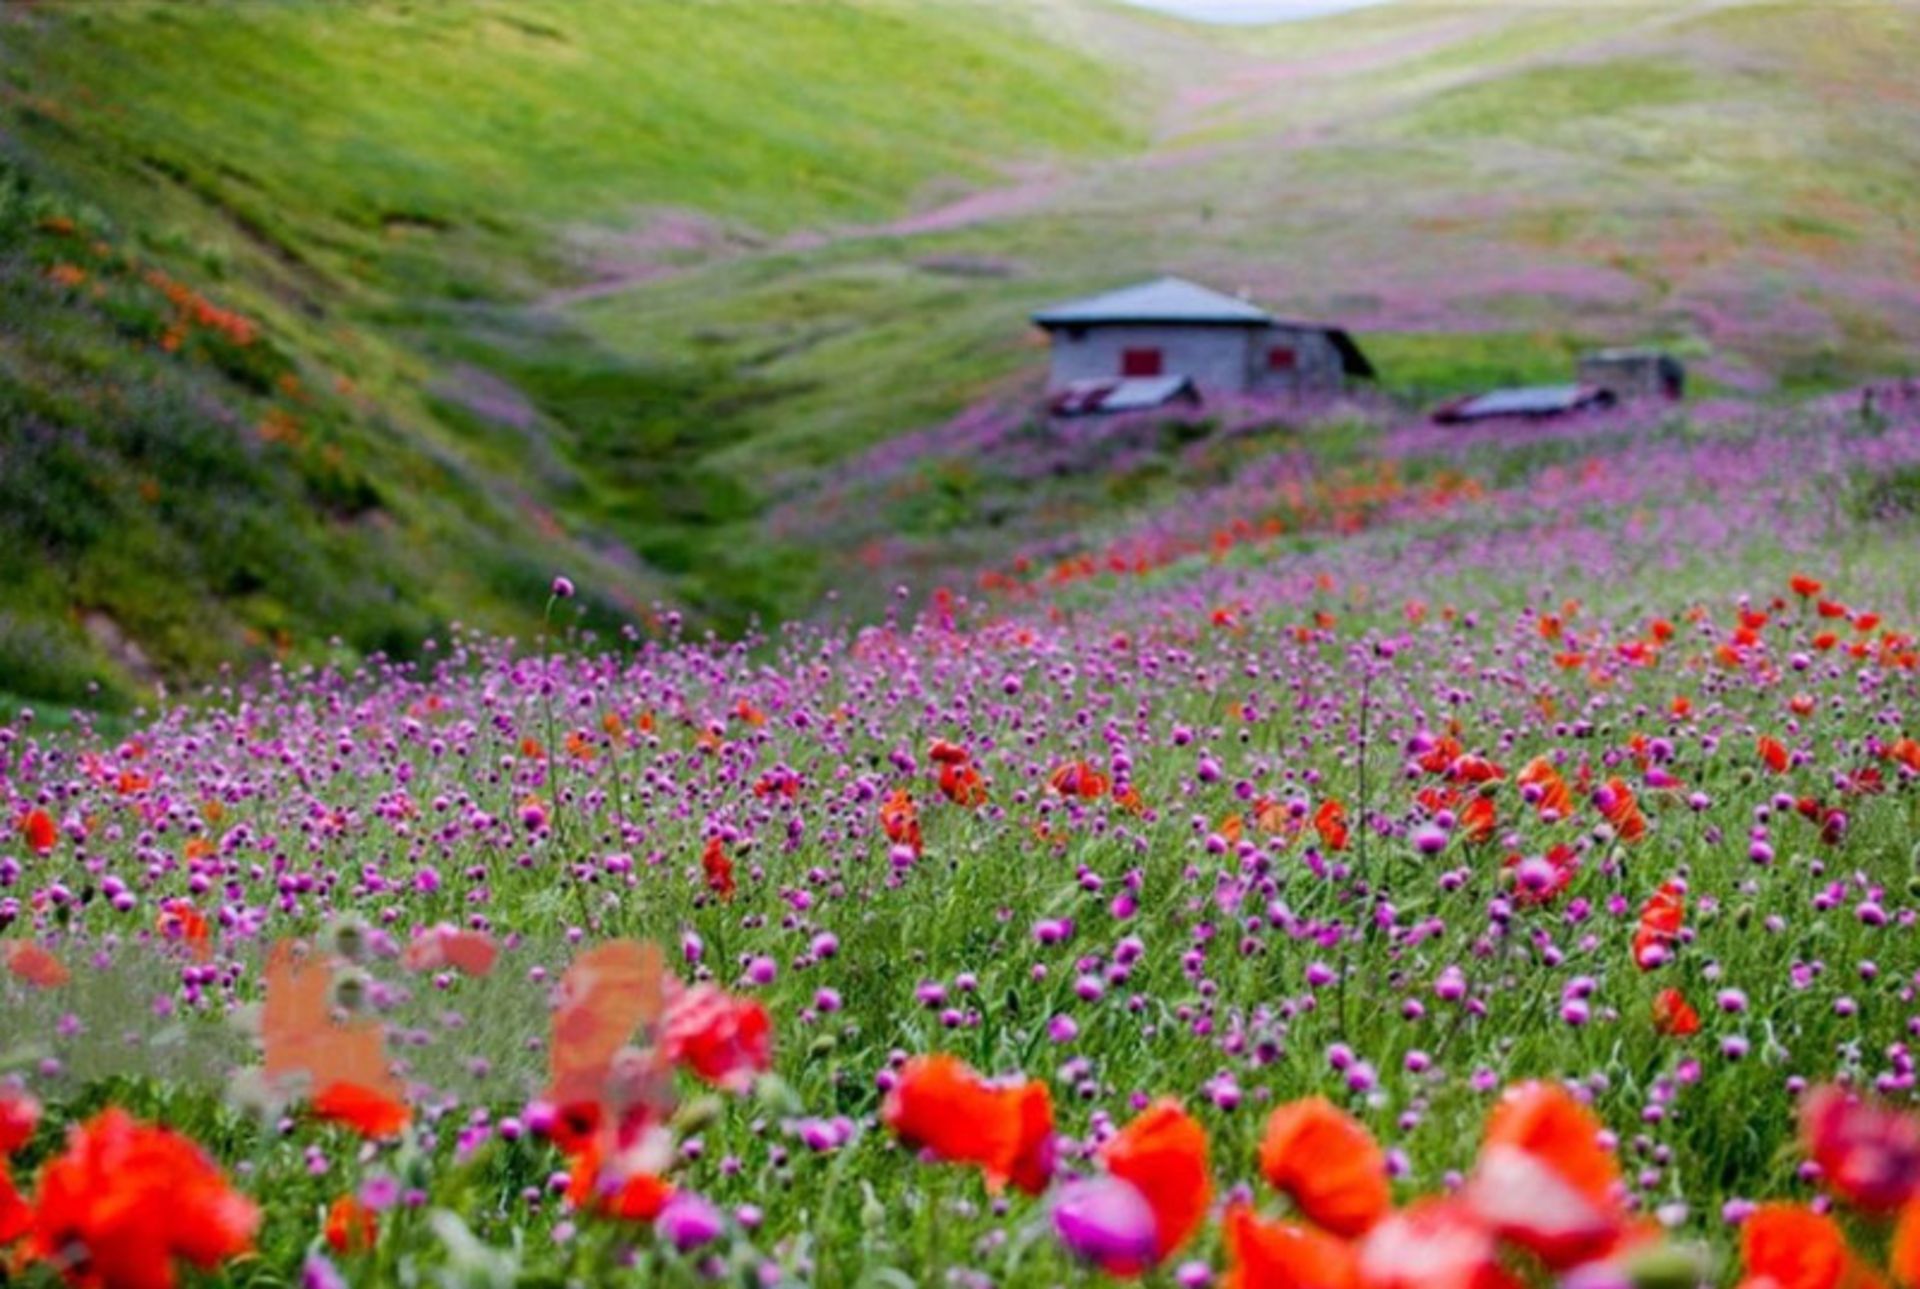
(1166, 299)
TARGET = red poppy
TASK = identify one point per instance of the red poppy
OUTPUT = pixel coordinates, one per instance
(1674, 1015)
(1660, 920)
(369, 1112)
(1478, 822)
(1803, 586)
(631, 1196)
(351, 1226)
(1554, 797)
(962, 785)
(1433, 1243)
(126, 1199)
(900, 820)
(942, 1106)
(1772, 753)
(1281, 1255)
(1328, 1164)
(1869, 1153)
(443, 946)
(1562, 866)
(1617, 804)
(1330, 821)
(718, 867)
(34, 964)
(16, 1216)
(38, 831)
(724, 1040)
(1079, 779)
(1163, 1153)
(1903, 1254)
(942, 752)
(1788, 1246)
(1544, 1180)
(19, 1116)
(181, 923)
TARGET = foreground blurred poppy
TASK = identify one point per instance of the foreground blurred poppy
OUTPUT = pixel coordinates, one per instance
(351, 1226)
(1869, 1154)
(369, 1112)
(1544, 1180)
(126, 1200)
(1280, 1255)
(34, 964)
(1788, 1246)
(1163, 1153)
(1328, 1164)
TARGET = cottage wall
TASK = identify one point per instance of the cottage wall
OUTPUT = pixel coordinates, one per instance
(1221, 359)
(1215, 356)
(1317, 366)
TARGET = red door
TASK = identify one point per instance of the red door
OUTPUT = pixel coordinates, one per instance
(1140, 362)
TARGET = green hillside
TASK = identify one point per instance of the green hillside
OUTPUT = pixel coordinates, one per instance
(323, 320)
(248, 253)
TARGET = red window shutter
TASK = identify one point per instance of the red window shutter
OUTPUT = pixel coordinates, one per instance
(1140, 362)
(1282, 358)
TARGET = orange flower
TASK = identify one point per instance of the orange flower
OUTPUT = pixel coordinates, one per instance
(1328, 1164)
(1544, 1181)
(1163, 1153)
(1792, 1247)
(35, 965)
(942, 1106)
(38, 831)
(351, 1226)
(1284, 1256)
(126, 1199)
(372, 1114)
(1674, 1015)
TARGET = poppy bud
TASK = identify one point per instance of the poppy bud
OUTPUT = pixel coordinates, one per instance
(822, 1045)
(1666, 1266)
(348, 936)
(697, 1114)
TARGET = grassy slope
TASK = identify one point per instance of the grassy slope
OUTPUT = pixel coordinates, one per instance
(1479, 189)
(371, 227)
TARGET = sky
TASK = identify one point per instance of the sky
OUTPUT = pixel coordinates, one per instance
(1251, 11)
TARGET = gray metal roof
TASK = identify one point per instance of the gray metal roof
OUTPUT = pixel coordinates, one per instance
(1166, 299)
(1532, 400)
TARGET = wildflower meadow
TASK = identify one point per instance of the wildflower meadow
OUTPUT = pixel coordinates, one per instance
(1490, 862)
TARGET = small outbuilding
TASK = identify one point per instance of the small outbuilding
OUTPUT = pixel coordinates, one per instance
(1215, 344)
(1631, 374)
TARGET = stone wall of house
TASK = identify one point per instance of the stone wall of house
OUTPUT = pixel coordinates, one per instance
(1221, 359)
(1312, 364)
(1216, 357)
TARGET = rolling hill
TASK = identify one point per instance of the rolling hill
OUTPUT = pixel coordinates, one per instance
(321, 327)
